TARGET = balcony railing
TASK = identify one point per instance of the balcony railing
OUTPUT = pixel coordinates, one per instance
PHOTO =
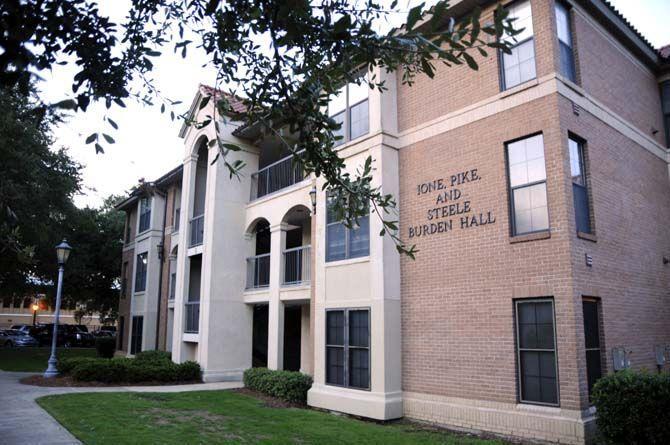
(296, 266)
(258, 271)
(192, 317)
(276, 176)
(197, 230)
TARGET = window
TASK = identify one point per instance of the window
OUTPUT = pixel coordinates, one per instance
(565, 42)
(136, 335)
(141, 272)
(145, 214)
(528, 185)
(173, 285)
(176, 205)
(26, 303)
(348, 348)
(519, 66)
(579, 191)
(536, 348)
(6, 301)
(592, 342)
(665, 100)
(343, 242)
(349, 107)
(127, 235)
(122, 329)
(124, 279)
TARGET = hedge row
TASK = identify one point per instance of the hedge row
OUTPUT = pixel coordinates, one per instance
(285, 385)
(129, 370)
(633, 408)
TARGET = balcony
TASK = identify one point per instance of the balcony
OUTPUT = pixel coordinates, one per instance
(196, 229)
(276, 176)
(296, 264)
(192, 309)
(258, 271)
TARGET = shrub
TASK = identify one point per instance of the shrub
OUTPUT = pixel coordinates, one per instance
(633, 407)
(129, 370)
(105, 346)
(66, 365)
(153, 356)
(286, 385)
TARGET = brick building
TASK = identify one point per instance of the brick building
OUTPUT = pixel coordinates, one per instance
(537, 190)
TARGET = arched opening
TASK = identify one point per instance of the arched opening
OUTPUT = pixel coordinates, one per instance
(258, 263)
(197, 220)
(296, 254)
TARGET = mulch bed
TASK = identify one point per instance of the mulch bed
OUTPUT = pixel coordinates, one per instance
(67, 381)
(269, 401)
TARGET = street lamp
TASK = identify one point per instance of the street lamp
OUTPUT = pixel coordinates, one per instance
(312, 196)
(62, 253)
(35, 308)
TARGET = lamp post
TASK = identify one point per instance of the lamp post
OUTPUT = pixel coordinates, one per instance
(35, 308)
(312, 197)
(62, 253)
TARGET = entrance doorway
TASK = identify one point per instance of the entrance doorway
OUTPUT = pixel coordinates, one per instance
(259, 340)
(292, 331)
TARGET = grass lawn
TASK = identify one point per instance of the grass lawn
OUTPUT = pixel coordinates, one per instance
(222, 417)
(35, 359)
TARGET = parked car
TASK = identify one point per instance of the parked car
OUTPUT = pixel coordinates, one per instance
(4, 340)
(68, 336)
(105, 331)
(15, 337)
(22, 327)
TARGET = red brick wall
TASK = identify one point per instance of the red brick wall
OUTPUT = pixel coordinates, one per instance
(457, 87)
(630, 191)
(457, 296)
(614, 79)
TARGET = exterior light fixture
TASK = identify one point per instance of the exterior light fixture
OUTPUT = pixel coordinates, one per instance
(62, 253)
(312, 197)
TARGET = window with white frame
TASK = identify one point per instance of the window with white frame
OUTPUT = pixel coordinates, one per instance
(343, 242)
(519, 66)
(141, 272)
(145, 214)
(564, 32)
(528, 185)
(580, 192)
(348, 348)
(349, 107)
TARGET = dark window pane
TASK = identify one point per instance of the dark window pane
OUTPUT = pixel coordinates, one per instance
(359, 368)
(591, 328)
(359, 334)
(567, 62)
(538, 377)
(526, 313)
(336, 242)
(593, 367)
(528, 336)
(335, 328)
(548, 389)
(545, 336)
(544, 312)
(359, 239)
(530, 389)
(335, 365)
(582, 213)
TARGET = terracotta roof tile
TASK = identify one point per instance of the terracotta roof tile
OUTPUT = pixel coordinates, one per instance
(236, 103)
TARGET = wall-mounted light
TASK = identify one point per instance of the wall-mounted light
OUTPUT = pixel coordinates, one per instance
(312, 197)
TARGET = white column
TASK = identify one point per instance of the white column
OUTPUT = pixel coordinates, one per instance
(276, 309)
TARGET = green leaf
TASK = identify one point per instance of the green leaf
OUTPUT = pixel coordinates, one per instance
(211, 6)
(98, 149)
(231, 147)
(470, 61)
(152, 53)
(93, 137)
(112, 123)
(108, 138)
(414, 16)
(204, 102)
(67, 104)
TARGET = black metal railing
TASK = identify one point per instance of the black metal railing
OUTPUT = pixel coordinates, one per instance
(197, 230)
(296, 265)
(276, 176)
(192, 317)
(258, 271)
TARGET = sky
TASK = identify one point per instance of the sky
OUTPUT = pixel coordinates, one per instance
(147, 143)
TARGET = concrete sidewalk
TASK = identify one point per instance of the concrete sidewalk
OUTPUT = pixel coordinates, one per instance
(23, 422)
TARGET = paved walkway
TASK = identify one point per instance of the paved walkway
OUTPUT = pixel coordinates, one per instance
(23, 422)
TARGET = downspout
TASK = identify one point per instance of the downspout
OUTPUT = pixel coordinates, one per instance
(161, 255)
